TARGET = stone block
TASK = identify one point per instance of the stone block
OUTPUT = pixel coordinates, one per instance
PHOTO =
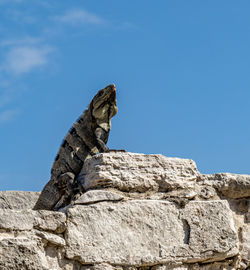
(94, 196)
(138, 172)
(232, 186)
(20, 220)
(22, 253)
(18, 200)
(147, 232)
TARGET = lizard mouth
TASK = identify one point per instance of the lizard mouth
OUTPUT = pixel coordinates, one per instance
(112, 92)
(112, 88)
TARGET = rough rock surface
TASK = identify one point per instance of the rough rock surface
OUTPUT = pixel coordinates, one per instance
(230, 185)
(146, 172)
(139, 212)
(151, 232)
(18, 199)
(94, 196)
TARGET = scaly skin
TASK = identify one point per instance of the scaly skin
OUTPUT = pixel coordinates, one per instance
(87, 137)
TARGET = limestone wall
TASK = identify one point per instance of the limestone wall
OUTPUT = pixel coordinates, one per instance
(138, 212)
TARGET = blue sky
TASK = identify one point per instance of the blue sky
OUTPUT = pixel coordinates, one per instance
(181, 69)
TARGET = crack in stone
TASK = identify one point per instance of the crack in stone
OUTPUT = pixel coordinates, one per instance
(186, 228)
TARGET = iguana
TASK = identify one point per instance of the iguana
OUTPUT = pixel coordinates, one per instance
(88, 136)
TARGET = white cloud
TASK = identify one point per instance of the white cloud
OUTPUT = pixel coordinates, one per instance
(79, 16)
(24, 59)
(7, 115)
(27, 40)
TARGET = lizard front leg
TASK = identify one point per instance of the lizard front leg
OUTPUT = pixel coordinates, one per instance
(101, 135)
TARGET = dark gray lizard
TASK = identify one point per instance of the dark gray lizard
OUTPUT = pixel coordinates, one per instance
(87, 137)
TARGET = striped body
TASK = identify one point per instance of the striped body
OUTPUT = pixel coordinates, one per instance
(87, 137)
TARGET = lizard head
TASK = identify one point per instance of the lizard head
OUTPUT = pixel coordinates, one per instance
(104, 106)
